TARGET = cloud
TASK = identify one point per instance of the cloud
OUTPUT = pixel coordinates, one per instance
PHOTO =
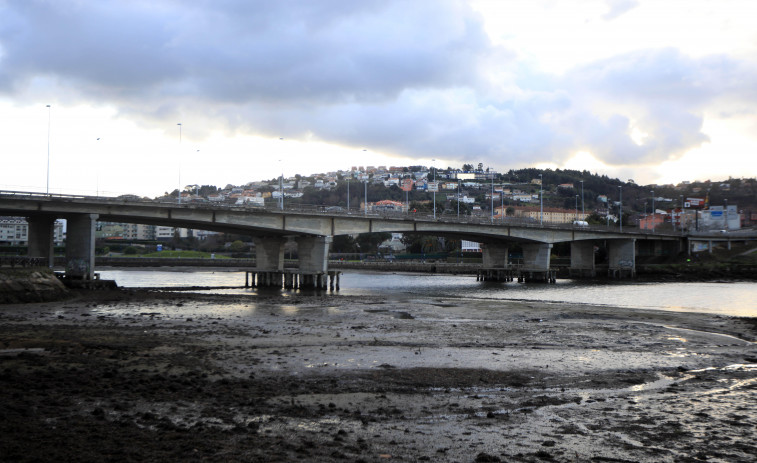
(618, 8)
(416, 79)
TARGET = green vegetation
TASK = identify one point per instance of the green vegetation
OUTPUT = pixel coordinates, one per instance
(177, 255)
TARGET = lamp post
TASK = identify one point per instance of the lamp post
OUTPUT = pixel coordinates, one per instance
(653, 211)
(458, 200)
(726, 213)
(583, 211)
(433, 161)
(681, 216)
(620, 211)
(366, 197)
(179, 191)
(541, 200)
(502, 203)
(49, 111)
(492, 197)
(576, 207)
(348, 195)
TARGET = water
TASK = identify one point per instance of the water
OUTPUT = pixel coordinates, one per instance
(736, 299)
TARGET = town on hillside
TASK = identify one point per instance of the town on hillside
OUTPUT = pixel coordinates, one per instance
(577, 198)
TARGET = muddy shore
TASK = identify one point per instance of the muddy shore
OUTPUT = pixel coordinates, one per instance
(135, 375)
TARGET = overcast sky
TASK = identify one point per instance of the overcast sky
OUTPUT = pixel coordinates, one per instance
(658, 91)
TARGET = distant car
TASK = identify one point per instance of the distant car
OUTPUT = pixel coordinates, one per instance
(722, 231)
(580, 223)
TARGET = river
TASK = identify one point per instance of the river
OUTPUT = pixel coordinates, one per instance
(723, 298)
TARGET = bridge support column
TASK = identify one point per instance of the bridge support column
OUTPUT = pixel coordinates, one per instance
(622, 258)
(269, 253)
(494, 255)
(41, 237)
(313, 252)
(582, 259)
(536, 263)
(80, 246)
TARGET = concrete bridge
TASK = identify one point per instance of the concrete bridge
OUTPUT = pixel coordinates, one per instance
(313, 230)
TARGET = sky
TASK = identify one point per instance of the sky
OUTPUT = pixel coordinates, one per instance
(657, 91)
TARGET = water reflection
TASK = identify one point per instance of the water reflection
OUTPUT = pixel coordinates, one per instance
(737, 298)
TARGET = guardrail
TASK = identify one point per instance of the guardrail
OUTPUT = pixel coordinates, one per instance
(314, 209)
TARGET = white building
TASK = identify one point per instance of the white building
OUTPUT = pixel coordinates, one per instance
(15, 231)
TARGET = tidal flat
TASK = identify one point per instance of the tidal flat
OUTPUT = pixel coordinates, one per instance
(139, 375)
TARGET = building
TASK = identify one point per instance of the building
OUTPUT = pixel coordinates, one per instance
(550, 214)
(14, 231)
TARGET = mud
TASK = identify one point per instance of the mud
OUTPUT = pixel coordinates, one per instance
(159, 376)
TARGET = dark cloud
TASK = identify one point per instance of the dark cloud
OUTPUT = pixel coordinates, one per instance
(411, 78)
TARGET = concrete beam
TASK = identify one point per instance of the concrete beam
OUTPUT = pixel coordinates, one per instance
(269, 253)
(80, 246)
(313, 252)
(41, 237)
(536, 256)
(495, 255)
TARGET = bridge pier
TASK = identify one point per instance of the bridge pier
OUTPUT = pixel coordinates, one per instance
(292, 279)
(582, 259)
(41, 237)
(269, 253)
(536, 263)
(80, 246)
(622, 258)
(313, 253)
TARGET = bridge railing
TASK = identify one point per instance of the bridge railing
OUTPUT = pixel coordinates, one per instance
(316, 209)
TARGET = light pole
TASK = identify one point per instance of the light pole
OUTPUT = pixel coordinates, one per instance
(97, 173)
(681, 216)
(458, 199)
(281, 187)
(653, 212)
(583, 211)
(726, 213)
(179, 124)
(49, 111)
(502, 203)
(576, 207)
(348, 195)
(366, 197)
(492, 196)
(620, 211)
(541, 200)
(433, 161)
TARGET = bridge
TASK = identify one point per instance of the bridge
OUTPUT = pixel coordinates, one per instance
(314, 228)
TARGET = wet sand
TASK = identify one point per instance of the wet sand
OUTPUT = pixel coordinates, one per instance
(147, 376)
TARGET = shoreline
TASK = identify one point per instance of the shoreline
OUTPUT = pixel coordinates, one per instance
(146, 375)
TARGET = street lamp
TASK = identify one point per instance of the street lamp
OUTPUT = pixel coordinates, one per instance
(541, 200)
(49, 110)
(576, 207)
(179, 124)
(653, 212)
(492, 197)
(458, 199)
(433, 161)
(620, 211)
(583, 211)
(348, 194)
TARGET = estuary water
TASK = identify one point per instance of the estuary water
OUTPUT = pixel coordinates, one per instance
(724, 298)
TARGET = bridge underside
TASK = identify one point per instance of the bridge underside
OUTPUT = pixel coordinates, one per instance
(313, 233)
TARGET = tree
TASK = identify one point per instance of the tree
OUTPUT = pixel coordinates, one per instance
(369, 242)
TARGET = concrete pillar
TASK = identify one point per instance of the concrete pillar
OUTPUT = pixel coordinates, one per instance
(269, 253)
(536, 256)
(313, 252)
(80, 246)
(582, 258)
(494, 255)
(622, 256)
(41, 237)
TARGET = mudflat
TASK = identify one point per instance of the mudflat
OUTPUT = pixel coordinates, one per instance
(134, 375)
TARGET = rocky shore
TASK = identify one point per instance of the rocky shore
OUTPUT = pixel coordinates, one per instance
(157, 376)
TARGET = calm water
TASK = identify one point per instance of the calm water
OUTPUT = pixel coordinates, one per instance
(736, 298)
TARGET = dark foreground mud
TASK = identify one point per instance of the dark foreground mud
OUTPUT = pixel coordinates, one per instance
(137, 376)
